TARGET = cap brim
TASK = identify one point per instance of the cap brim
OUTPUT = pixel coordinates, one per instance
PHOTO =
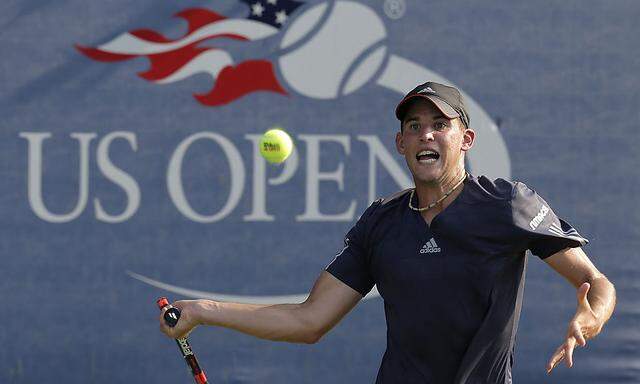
(445, 108)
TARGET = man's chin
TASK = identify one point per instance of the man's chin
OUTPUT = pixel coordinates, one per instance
(430, 177)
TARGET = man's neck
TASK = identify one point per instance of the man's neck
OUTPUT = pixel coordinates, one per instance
(428, 193)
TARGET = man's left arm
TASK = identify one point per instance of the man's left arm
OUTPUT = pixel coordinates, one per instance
(596, 300)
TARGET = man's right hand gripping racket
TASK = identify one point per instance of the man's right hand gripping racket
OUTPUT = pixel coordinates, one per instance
(171, 317)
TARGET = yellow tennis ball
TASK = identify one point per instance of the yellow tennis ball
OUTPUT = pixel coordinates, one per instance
(275, 145)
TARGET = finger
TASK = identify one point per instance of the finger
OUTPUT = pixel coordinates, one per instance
(571, 344)
(577, 334)
(165, 329)
(582, 293)
(556, 358)
(554, 362)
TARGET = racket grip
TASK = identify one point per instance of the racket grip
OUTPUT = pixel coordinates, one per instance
(171, 317)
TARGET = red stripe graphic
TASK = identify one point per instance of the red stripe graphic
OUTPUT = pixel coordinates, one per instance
(150, 36)
(198, 17)
(231, 83)
(246, 77)
(164, 64)
(99, 55)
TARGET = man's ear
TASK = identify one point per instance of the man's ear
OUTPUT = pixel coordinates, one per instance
(400, 143)
(468, 138)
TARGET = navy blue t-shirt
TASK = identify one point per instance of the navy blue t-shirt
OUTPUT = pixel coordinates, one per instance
(452, 290)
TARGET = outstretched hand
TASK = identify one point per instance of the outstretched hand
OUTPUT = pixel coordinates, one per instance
(584, 325)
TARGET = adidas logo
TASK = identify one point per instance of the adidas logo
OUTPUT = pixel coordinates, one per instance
(427, 90)
(430, 247)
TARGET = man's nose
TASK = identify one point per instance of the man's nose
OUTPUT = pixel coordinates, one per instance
(427, 135)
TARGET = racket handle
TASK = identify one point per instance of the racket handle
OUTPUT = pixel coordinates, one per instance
(171, 317)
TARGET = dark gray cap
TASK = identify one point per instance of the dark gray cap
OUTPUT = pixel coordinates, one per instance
(447, 99)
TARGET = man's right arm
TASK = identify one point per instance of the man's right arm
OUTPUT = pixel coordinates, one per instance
(329, 301)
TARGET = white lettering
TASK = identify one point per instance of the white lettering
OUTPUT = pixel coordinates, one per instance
(174, 177)
(263, 177)
(34, 176)
(377, 151)
(535, 222)
(184, 346)
(119, 177)
(314, 177)
(259, 211)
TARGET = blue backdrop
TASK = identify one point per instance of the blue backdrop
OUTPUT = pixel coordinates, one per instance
(129, 170)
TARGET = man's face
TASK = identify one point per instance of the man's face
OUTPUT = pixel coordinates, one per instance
(432, 144)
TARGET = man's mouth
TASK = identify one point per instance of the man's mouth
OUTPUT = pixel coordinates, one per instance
(427, 157)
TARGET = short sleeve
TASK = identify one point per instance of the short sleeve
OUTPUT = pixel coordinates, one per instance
(545, 232)
(351, 264)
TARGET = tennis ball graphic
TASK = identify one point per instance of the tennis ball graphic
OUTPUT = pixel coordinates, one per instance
(330, 53)
(275, 145)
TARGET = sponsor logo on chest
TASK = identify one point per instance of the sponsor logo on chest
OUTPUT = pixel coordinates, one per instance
(430, 247)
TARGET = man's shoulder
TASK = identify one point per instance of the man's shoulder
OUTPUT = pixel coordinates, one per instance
(495, 189)
(394, 198)
(382, 206)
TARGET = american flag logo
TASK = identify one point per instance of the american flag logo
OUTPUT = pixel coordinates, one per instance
(175, 60)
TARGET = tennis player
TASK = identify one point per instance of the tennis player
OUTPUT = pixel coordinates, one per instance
(448, 258)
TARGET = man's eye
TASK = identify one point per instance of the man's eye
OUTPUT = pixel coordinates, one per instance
(440, 125)
(415, 126)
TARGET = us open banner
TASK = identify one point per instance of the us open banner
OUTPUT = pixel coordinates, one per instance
(131, 170)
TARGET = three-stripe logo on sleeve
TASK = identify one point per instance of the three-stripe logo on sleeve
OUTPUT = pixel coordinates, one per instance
(570, 233)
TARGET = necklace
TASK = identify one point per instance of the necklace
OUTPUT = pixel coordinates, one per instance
(437, 201)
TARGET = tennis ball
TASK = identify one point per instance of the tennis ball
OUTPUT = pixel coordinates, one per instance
(275, 145)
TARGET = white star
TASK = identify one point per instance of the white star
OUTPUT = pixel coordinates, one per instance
(281, 17)
(272, 2)
(257, 9)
